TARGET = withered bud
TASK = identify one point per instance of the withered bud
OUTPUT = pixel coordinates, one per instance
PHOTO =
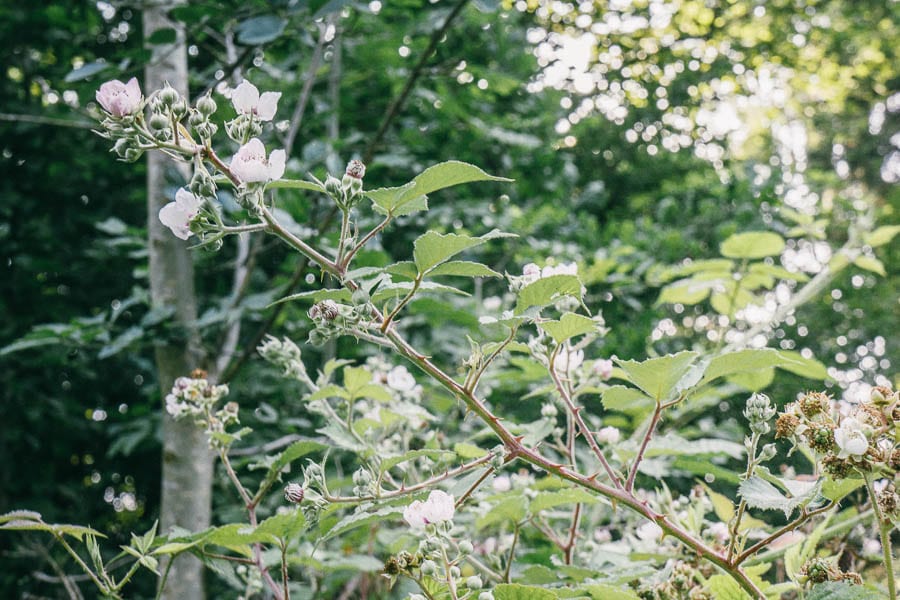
(786, 425)
(356, 169)
(326, 310)
(199, 374)
(815, 403)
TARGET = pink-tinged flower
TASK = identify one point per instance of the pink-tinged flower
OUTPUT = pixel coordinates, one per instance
(247, 101)
(851, 438)
(603, 367)
(120, 99)
(250, 164)
(178, 215)
(438, 508)
(608, 435)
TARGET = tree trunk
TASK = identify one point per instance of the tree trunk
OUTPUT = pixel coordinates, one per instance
(187, 461)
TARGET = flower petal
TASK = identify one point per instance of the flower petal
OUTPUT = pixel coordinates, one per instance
(276, 164)
(267, 106)
(245, 97)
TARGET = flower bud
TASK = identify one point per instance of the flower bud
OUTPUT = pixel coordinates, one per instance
(768, 452)
(454, 572)
(179, 109)
(293, 493)
(356, 169)
(168, 95)
(333, 187)
(132, 154)
(548, 411)
(360, 297)
(474, 583)
(465, 547)
(428, 567)
(158, 122)
(486, 596)
(758, 412)
(196, 119)
(326, 310)
(362, 477)
(206, 105)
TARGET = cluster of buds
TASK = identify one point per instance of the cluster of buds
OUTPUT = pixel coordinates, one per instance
(194, 396)
(332, 320)
(284, 353)
(363, 482)
(862, 441)
(123, 105)
(166, 110)
(347, 191)
(683, 583)
(758, 412)
(820, 570)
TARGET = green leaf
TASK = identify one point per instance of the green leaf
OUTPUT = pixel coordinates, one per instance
(601, 591)
(568, 326)
(432, 248)
(686, 291)
(842, 590)
(296, 450)
(469, 451)
(723, 587)
(517, 591)
(882, 235)
(870, 263)
(545, 500)
(759, 493)
(548, 290)
(165, 35)
(463, 268)
(402, 288)
(752, 244)
(122, 341)
(777, 272)
(341, 295)
(20, 515)
(836, 490)
(259, 30)
(432, 179)
(341, 437)
(175, 547)
(360, 519)
(434, 454)
(625, 399)
(511, 509)
(742, 361)
(85, 71)
(658, 376)
(671, 444)
(295, 184)
(282, 526)
(753, 381)
(802, 366)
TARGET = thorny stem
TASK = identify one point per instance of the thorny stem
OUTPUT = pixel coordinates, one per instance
(475, 377)
(512, 554)
(575, 413)
(884, 529)
(390, 317)
(345, 264)
(284, 571)
(742, 507)
(405, 491)
(629, 485)
(569, 550)
(474, 487)
(250, 505)
(803, 518)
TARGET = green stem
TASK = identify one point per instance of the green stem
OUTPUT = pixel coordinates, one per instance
(884, 529)
(100, 585)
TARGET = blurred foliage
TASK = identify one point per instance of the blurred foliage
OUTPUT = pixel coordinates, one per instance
(81, 402)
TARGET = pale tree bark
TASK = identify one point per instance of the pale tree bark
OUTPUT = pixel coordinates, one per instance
(187, 461)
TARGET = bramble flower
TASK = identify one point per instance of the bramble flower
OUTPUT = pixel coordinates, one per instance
(438, 508)
(501, 483)
(603, 367)
(400, 379)
(850, 438)
(649, 532)
(568, 360)
(247, 100)
(178, 215)
(250, 164)
(120, 99)
(608, 435)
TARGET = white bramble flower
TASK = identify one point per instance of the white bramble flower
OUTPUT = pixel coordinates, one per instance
(649, 532)
(719, 531)
(178, 215)
(438, 508)
(608, 435)
(250, 164)
(120, 99)
(568, 360)
(603, 367)
(850, 437)
(247, 100)
(400, 379)
(501, 484)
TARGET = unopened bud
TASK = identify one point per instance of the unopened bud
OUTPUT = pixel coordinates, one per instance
(333, 186)
(362, 477)
(158, 121)
(428, 567)
(206, 105)
(465, 547)
(454, 572)
(768, 452)
(293, 493)
(474, 583)
(196, 119)
(360, 297)
(356, 169)
(326, 310)
(548, 411)
(168, 95)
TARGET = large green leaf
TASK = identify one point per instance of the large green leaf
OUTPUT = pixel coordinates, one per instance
(447, 174)
(511, 509)
(658, 376)
(882, 235)
(545, 500)
(260, 30)
(602, 591)
(759, 493)
(360, 519)
(724, 587)
(517, 591)
(568, 326)
(296, 450)
(464, 268)
(625, 399)
(432, 248)
(548, 290)
(842, 590)
(742, 361)
(752, 244)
